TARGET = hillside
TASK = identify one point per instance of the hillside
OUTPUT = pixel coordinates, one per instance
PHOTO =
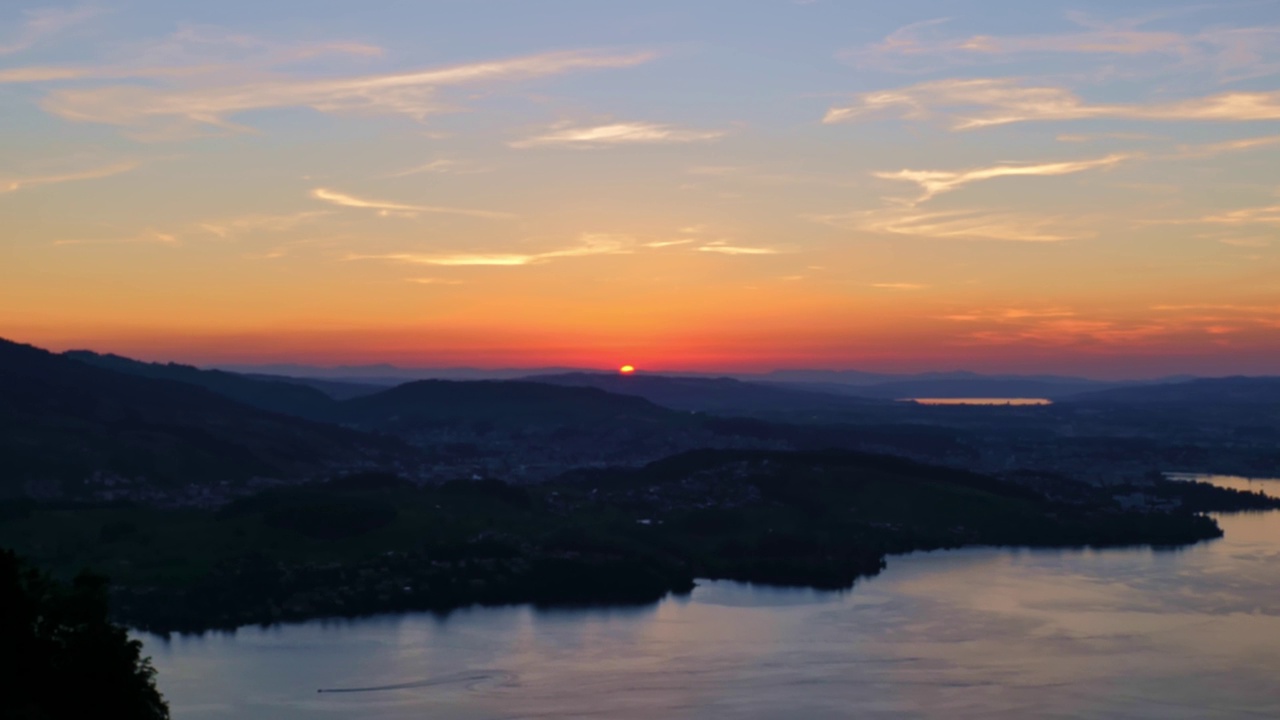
(614, 535)
(721, 396)
(62, 421)
(267, 394)
(507, 403)
(528, 431)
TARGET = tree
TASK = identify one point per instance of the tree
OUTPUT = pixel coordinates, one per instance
(65, 658)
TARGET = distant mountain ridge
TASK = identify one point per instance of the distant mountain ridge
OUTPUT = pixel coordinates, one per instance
(1240, 390)
(886, 386)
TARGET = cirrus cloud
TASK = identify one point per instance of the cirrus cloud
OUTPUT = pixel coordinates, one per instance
(13, 184)
(588, 244)
(621, 133)
(986, 102)
(411, 93)
(386, 207)
(936, 182)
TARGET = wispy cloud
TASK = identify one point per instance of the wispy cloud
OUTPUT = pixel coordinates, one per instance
(194, 51)
(724, 248)
(386, 207)
(1248, 241)
(589, 244)
(1266, 215)
(936, 182)
(1094, 137)
(986, 102)
(54, 73)
(13, 184)
(898, 286)
(148, 237)
(622, 133)
(41, 24)
(927, 40)
(1065, 326)
(764, 176)
(232, 227)
(412, 93)
(1231, 146)
(441, 167)
(1229, 52)
(956, 225)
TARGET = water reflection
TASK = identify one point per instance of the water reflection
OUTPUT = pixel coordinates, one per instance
(979, 633)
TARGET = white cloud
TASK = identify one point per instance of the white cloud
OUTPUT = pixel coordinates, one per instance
(724, 248)
(986, 102)
(387, 207)
(589, 244)
(936, 182)
(623, 133)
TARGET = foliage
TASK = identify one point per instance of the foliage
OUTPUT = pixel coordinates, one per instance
(64, 659)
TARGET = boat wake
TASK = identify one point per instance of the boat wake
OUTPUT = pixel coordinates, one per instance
(470, 679)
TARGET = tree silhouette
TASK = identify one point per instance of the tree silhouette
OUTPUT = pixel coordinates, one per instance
(64, 657)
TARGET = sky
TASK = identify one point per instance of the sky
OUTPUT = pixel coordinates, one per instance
(1089, 188)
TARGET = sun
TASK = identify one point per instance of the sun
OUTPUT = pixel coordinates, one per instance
(627, 369)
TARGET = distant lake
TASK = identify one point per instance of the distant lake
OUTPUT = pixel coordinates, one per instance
(979, 633)
(979, 401)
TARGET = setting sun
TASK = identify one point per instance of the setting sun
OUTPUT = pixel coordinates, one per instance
(627, 369)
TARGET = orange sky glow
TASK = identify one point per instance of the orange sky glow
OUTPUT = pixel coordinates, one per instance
(802, 185)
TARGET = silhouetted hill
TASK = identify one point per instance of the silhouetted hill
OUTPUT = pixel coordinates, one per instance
(62, 421)
(385, 374)
(503, 403)
(723, 396)
(526, 431)
(1264, 391)
(267, 394)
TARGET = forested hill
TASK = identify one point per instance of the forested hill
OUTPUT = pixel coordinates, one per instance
(273, 395)
(62, 421)
(724, 396)
(500, 402)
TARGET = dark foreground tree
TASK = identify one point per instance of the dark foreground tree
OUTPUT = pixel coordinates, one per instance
(63, 657)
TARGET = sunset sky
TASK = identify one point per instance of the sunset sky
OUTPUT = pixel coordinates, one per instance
(995, 185)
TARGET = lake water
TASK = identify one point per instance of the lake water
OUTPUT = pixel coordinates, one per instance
(980, 633)
(978, 400)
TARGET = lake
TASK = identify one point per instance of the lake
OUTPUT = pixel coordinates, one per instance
(977, 633)
(979, 401)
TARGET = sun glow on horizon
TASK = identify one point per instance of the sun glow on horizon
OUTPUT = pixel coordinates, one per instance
(438, 185)
(627, 370)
